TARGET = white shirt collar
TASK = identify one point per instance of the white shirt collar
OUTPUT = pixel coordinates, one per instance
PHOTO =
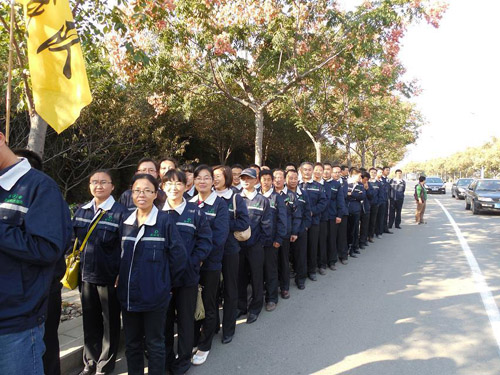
(190, 192)
(179, 209)
(106, 205)
(250, 196)
(227, 194)
(299, 192)
(268, 193)
(322, 182)
(210, 200)
(151, 219)
(10, 178)
(330, 179)
(238, 186)
(284, 190)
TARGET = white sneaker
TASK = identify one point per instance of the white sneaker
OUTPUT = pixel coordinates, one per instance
(200, 357)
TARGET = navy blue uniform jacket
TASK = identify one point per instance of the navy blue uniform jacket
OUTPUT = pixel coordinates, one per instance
(35, 230)
(238, 224)
(397, 190)
(100, 259)
(305, 208)
(278, 214)
(385, 188)
(368, 199)
(153, 259)
(196, 234)
(217, 214)
(260, 216)
(336, 204)
(358, 194)
(328, 194)
(375, 199)
(293, 212)
(317, 199)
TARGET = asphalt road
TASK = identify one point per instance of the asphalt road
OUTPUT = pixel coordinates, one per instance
(408, 305)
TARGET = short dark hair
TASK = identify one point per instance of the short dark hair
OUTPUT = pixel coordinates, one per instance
(421, 179)
(291, 171)
(227, 173)
(362, 169)
(145, 176)
(343, 167)
(105, 171)
(203, 167)
(266, 172)
(168, 158)
(365, 175)
(398, 170)
(147, 160)
(175, 175)
(279, 170)
(386, 167)
(239, 166)
(318, 164)
(187, 168)
(291, 165)
(327, 163)
(254, 166)
(372, 169)
(33, 158)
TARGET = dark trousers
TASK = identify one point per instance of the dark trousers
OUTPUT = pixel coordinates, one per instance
(181, 310)
(386, 216)
(364, 227)
(381, 217)
(395, 209)
(284, 265)
(331, 252)
(51, 361)
(299, 252)
(251, 271)
(271, 273)
(204, 330)
(101, 326)
(230, 267)
(323, 244)
(373, 220)
(312, 248)
(342, 238)
(145, 328)
(353, 231)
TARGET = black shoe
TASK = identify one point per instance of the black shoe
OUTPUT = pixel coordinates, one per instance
(356, 252)
(352, 255)
(332, 267)
(362, 247)
(378, 236)
(398, 227)
(301, 286)
(312, 277)
(252, 318)
(322, 271)
(87, 371)
(343, 261)
(227, 339)
(240, 313)
(388, 231)
(371, 240)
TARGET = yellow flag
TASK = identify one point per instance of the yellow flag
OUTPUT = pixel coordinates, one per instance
(60, 86)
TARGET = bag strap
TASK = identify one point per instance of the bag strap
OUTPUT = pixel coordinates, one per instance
(234, 205)
(92, 227)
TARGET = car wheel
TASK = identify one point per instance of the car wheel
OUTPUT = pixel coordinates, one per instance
(475, 210)
(452, 194)
(467, 204)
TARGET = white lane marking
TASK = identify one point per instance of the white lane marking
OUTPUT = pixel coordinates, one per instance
(488, 301)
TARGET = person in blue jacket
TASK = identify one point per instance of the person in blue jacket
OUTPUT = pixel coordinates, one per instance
(383, 198)
(318, 203)
(365, 212)
(299, 246)
(197, 238)
(271, 247)
(293, 218)
(153, 259)
(238, 221)
(396, 199)
(336, 209)
(355, 195)
(99, 264)
(217, 214)
(252, 250)
(35, 230)
(374, 203)
(323, 221)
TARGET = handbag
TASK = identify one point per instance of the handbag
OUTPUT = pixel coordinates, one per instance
(244, 234)
(199, 313)
(70, 278)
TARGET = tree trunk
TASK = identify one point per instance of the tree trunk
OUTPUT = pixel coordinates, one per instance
(374, 161)
(38, 131)
(363, 158)
(259, 134)
(317, 146)
(348, 149)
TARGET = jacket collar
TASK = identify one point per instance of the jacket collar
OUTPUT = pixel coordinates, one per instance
(227, 194)
(284, 191)
(150, 221)
(179, 209)
(250, 196)
(10, 178)
(106, 205)
(268, 193)
(210, 200)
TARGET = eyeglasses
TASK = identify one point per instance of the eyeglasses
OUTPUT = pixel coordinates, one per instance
(171, 184)
(146, 192)
(102, 183)
(200, 179)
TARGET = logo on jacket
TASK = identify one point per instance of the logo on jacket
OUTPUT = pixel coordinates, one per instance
(14, 199)
(156, 233)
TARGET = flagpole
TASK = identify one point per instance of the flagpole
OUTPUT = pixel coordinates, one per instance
(9, 79)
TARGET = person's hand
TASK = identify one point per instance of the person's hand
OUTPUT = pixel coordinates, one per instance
(276, 245)
(116, 281)
(420, 200)
(338, 220)
(293, 238)
(349, 193)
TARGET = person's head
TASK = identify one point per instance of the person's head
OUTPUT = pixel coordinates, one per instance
(174, 184)
(386, 171)
(362, 170)
(101, 184)
(365, 176)
(336, 172)
(279, 178)
(144, 190)
(399, 174)
(289, 166)
(248, 179)
(7, 157)
(306, 168)
(266, 179)
(373, 173)
(344, 170)
(421, 179)
(327, 171)
(355, 175)
(223, 177)
(203, 179)
(292, 178)
(33, 158)
(149, 166)
(318, 171)
(166, 164)
(352, 169)
(265, 167)
(255, 167)
(380, 172)
(188, 170)
(236, 171)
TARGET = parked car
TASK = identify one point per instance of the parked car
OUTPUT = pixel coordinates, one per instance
(435, 185)
(459, 186)
(483, 194)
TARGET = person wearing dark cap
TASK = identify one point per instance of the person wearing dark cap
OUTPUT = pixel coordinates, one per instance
(252, 250)
(397, 198)
(257, 169)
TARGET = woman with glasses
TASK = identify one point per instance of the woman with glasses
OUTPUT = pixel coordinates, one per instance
(100, 259)
(197, 237)
(239, 221)
(153, 259)
(215, 209)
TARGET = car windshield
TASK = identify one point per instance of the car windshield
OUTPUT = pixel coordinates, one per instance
(493, 185)
(434, 180)
(464, 182)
